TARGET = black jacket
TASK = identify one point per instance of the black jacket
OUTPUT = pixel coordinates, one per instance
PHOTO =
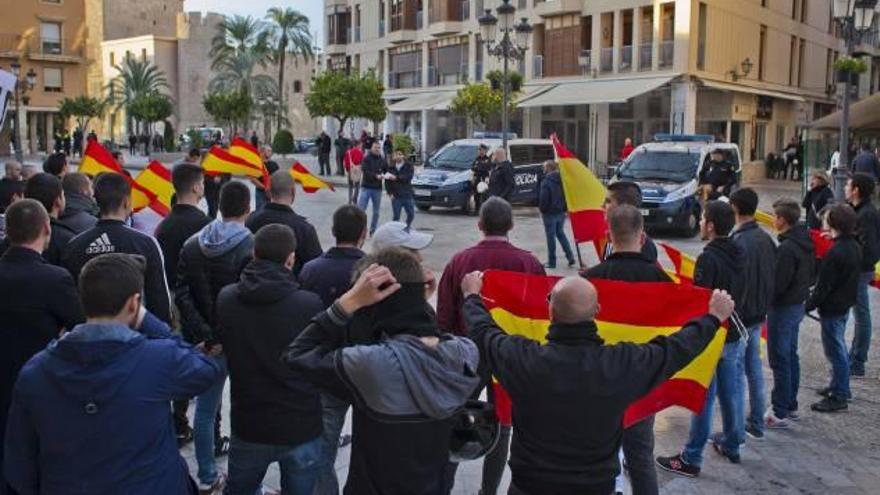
(760, 267)
(330, 274)
(628, 267)
(207, 264)
(501, 180)
(814, 201)
(722, 266)
(481, 168)
(838, 282)
(649, 250)
(719, 174)
(795, 265)
(37, 301)
(373, 166)
(257, 318)
(325, 144)
(113, 236)
(80, 214)
(551, 199)
(868, 233)
(61, 236)
(183, 222)
(570, 395)
(867, 163)
(308, 247)
(401, 188)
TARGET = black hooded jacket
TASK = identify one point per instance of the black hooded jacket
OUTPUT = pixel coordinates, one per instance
(257, 318)
(759, 269)
(838, 282)
(868, 234)
(80, 214)
(795, 260)
(722, 266)
(815, 201)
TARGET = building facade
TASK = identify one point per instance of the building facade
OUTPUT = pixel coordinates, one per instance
(749, 71)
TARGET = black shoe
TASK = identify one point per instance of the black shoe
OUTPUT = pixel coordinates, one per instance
(221, 446)
(754, 433)
(184, 435)
(676, 465)
(572, 264)
(857, 373)
(826, 392)
(733, 458)
(829, 405)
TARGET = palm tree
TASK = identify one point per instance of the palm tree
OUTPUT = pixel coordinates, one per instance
(136, 78)
(239, 34)
(290, 28)
(236, 73)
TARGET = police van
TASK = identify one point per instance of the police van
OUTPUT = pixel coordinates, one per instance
(668, 171)
(446, 178)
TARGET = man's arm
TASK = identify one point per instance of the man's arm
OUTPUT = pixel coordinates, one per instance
(188, 372)
(65, 305)
(786, 266)
(704, 272)
(447, 314)
(158, 300)
(313, 353)
(21, 461)
(825, 282)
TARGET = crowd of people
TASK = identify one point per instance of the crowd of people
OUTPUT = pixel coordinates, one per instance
(111, 332)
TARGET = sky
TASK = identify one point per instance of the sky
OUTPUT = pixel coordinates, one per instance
(313, 9)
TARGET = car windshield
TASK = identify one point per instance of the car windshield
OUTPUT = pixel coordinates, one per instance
(674, 166)
(455, 156)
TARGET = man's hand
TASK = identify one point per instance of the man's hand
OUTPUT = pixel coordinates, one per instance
(373, 286)
(721, 305)
(430, 282)
(472, 284)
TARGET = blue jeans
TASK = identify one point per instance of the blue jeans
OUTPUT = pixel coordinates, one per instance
(783, 326)
(554, 228)
(861, 342)
(834, 345)
(727, 385)
(334, 419)
(207, 406)
(298, 465)
(368, 195)
(755, 377)
(406, 204)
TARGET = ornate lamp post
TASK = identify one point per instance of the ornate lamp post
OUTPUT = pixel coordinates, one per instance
(22, 86)
(855, 18)
(508, 41)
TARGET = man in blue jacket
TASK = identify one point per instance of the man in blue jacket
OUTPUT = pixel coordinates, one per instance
(91, 413)
(551, 202)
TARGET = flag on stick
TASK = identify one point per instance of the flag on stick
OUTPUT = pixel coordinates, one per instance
(157, 180)
(219, 161)
(244, 150)
(584, 196)
(684, 265)
(97, 160)
(309, 182)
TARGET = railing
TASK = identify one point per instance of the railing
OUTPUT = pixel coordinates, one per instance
(381, 27)
(401, 80)
(585, 61)
(465, 10)
(10, 43)
(626, 59)
(667, 53)
(646, 56)
(537, 67)
(55, 47)
(606, 59)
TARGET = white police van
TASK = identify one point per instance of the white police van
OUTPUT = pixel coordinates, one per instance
(445, 180)
(668, 172)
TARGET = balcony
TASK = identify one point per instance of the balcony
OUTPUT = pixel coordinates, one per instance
(404, 80)
(336, 44)
(442, 28)
(667, 53)
(646, 56)
(55, 50)
(606, 60)
(11, 45)
(401, 36)
(626, 59)
(552, 8)
(538, 67)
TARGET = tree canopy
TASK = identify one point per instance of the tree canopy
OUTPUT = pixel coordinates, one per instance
(229, 108)
(479, 102)
(151, 107)
(343, 97)
(82, 108)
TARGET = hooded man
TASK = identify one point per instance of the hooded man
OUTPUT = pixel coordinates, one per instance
(81, 212)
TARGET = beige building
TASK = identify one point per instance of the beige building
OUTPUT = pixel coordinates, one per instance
(48, 37)
(599, 71)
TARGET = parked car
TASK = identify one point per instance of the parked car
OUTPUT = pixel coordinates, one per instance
(304, 145)
(446, 179)
(668, 171)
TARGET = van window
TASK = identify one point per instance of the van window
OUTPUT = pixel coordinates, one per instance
(455, 156)
(676, 166)
(730, 156)
(531, 154)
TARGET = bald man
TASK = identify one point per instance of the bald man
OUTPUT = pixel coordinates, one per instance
(570, 394)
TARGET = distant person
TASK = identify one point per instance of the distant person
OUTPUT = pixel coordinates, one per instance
(398, 181)
(718, 176)
(80, 210)
(271, 168)
(374, 167)
(255, 141)
(9, 194)
(627, 149)
(193, 156)
(501, 180)
(341, 145)
(867, 163)
(388, 147)
(480, 170)
(551, 204)
(132, 144)
(354, 157)
(324, 145)
(818, 197)
(78, 142)
(56, 164)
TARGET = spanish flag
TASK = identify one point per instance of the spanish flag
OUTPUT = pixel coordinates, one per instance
(244, 150)
(157, 180)
(518, 303)
(309, 182)
(97, 160)
(584, 196)
(219, 161)
(684, 265)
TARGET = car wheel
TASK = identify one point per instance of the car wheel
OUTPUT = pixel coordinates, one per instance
(423, 207)
(692, 227)
(469, 205)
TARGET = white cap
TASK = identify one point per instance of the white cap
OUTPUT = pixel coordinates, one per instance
(395, 234)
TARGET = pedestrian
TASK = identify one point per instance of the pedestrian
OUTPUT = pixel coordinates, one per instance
(760, 252)
(132, 144)
(280, 210)
(720, 266)
(255, 141)
(627, 193)
(627, 264)
(78, 142)
(403, 408)
(259, 187)
(66, 142)
(80, 210)
(92, 137)
(867, 163)
(111, 235)
(627, 149)
(834, 162)
(213, 185)
(795, 260)
(388, 147)
(37, 300)
(209, 261)
(551, 203)
(93, 408)
(494, 251)
(480, 170)
(9, 194)
(553, 390)
(835, 292)
(859, 190)
(56, 164)
(790, 153)
(718, 176)
(501, 180)
(193, 156)
(324, 147)
(398, 181)
(374, 168)
(47, 190)
(341, 144)
(817, 198)
(276, 414)
(354, 157)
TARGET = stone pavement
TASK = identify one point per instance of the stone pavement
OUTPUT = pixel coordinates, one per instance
(822, 454)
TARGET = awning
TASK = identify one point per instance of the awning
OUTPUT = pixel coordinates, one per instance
(722, 86)
(595, 91)
(529, 92)
(863, 115)
(438, 100)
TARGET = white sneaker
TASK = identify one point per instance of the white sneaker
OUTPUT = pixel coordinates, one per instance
(771, 422)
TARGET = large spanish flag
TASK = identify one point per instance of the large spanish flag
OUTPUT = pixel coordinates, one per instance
(157, 180)
(518, 303)
(97, 160)
(244, 150)
(219, 161)
(309, 182)
(584, 196)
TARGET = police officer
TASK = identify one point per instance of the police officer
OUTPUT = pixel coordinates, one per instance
(718, 176)
(481, 168)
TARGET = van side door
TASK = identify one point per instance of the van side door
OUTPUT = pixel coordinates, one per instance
(528, 161)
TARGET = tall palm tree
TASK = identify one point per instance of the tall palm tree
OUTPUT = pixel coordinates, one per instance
(236, 73)
(290, 29)
(136, 78)
(239, 34)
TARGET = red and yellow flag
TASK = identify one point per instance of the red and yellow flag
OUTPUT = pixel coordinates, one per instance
(244, 150)
(584, 196)
(309, 182)
(96, 160)
(157, 180)
(684, 265)
(219, 161)
(518, 303)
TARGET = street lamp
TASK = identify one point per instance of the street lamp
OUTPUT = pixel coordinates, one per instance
(507, 40)
(22, 86)
(746, 66)
(855, 18)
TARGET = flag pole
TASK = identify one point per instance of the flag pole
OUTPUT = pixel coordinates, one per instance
(577, 246)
